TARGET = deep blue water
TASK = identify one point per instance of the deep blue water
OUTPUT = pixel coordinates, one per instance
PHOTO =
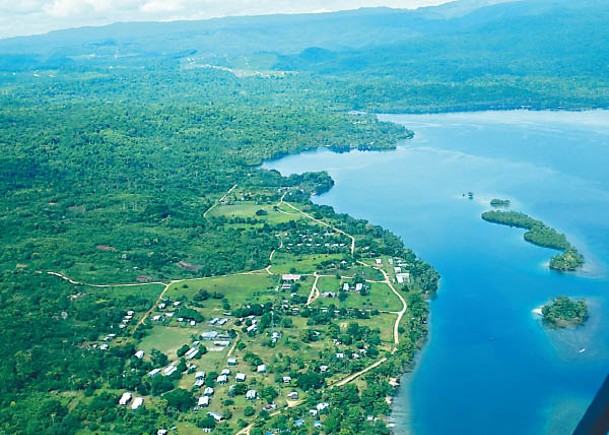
(490, 366)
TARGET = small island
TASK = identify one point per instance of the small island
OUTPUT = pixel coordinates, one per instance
(564, 312)
(497, 203)
(542, 235)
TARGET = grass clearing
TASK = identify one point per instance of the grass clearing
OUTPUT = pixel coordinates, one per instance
(168, 339)
(238, 289)
(248, 209)
(284, 263)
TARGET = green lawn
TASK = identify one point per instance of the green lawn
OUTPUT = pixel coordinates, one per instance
(238, 289)
(245, 209)
(168, 339)
(283, 262)
(380, 297)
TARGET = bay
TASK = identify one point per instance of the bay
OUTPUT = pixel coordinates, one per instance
(489, 365)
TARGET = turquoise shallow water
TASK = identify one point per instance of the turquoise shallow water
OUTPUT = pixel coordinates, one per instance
(489, 366)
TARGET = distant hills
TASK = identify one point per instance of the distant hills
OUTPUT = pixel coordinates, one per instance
(538, 53)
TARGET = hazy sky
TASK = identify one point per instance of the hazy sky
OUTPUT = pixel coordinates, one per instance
(26, 17)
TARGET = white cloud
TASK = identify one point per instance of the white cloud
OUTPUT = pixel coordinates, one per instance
(23, 17)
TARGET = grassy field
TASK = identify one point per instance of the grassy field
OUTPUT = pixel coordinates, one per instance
(284, 263)
(168, 339)
(246, 209)
(238, 289)
(380, 297)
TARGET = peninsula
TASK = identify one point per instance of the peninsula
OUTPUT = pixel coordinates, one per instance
(540, 234)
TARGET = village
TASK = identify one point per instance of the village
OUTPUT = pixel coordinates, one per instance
(232, 350)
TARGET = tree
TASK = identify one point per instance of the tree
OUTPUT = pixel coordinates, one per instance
(249, 411)
(179, 399)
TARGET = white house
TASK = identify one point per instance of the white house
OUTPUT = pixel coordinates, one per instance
(137, 403)
(251, 394)
(216, 416)
(169, 370)
(209, 391)
(203, 401)
(125, 398)
(287, 379)
(261, 368)
(222, 379)
(240, 377)
(192, 352)
(154, 372)
(225, 372)
(139, 354)
(232, 361)
(209, 336)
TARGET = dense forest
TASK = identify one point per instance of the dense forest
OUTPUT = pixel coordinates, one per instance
(565, 312)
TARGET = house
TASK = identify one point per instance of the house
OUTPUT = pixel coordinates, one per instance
(161, 432)
(203, 401)
(399, 279)
(125, 398)
(200, 375)
(340, 355)
(275, 336)
(293, 395)
(213, 321)
(299, 422)
(225, 372)
(240, 377)
(379, 261)
(176, 303)
(154, 372)
(288, 277)
(329, 294)
(193, 323)
(222, 322)
(209, 336)
(251, 328)
(323, 368)
(251, 394)
(130, 313)
(313, 412)
(261, 368)
(169, 370)
(222, 343)
(397, 269)
(162, 306)
(359, 286)
(287, 379)
(286, 287)
(209, 391)
(321, 406)
(156, 318)
(104, 346)
(137, 403)
(317, 424)
(139, 354)
(192, 352)
(222, 379)
(216, 416)
(346, 287)
(232, 361)
(199, 383)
